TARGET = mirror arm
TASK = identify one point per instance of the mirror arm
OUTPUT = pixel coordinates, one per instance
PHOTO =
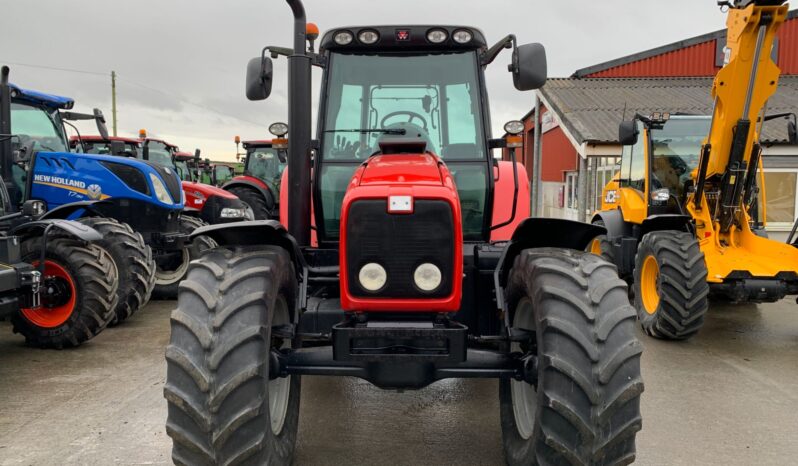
(489, 55)
(275, 52)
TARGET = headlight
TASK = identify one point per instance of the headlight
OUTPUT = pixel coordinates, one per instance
(661, 195)
(427, 277)
(229, 212)
(160, 190)
(514, 127)
(368, 36)
(436, 36)
(372, 276)
(462, 36)
(278, 129)
(343, 38)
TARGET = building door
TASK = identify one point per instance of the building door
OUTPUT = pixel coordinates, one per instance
(571, 196)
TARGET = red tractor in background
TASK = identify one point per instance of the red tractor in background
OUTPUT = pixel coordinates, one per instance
(264, 165)
(406, 283)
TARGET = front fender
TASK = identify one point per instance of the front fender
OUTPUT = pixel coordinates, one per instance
(613, 221)
(76, 229)
(253, 233)
(263, 190)
(67, 210)
(542, 233)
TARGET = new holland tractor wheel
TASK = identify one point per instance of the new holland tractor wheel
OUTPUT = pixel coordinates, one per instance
(262, 208)
(222, 406)
(580, 403)
(134, 264)
(670, 280)
(78, 293)
(171, 270)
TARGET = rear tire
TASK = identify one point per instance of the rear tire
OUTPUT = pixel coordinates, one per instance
(134, 264)
(90, 278)
(222, 407)
(671, 289)
(584, 407)
(262, 208)
(167, 279)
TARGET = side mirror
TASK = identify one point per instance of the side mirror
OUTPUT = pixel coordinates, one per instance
(529, 67)
(792, 133)
(33, 208)
(259, 78)
(197, 154)
(117, 148)
(100, 118)
(627, 133)
(145, 150)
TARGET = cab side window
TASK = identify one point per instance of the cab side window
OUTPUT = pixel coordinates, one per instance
(633, 163)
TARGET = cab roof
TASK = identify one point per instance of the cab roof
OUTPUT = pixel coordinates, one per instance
(397, 38)
(55, 102)
(257, 143)
(97, 138)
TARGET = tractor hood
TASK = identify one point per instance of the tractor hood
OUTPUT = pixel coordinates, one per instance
(402, 169)
(206, 190)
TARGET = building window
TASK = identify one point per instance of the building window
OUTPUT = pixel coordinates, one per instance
(781, 187)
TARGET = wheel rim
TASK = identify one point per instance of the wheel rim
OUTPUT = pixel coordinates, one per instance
(167, 277)
(280, 387)
(59, 295)
(523, 395)
(649, 284)
(595, 246)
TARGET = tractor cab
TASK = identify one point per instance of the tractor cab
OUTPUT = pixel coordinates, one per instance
(266, 163)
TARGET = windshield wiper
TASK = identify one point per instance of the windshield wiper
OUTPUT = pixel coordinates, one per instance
(397, 131)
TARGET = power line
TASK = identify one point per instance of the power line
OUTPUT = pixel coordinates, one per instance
(68, 70)
(143, 86)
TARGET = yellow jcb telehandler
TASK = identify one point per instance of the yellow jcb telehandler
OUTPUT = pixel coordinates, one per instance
(681, 215)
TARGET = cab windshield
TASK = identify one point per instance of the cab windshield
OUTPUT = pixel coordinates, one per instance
(160, 153)
(432, 97)
(37, 125)
(676, 148)
(263, 163)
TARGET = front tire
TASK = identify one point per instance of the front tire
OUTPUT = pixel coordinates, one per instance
(222, 407)
(583, 406)
(134, 264)
(78, 293)
(262, 208)
(671, 289)
(169, 273)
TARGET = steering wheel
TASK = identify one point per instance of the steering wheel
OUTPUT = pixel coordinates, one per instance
(411, 115)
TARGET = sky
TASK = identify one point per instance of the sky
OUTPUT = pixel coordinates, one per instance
(181, 63)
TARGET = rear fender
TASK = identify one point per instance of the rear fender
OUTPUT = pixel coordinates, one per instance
(614, 223)
(541, 233)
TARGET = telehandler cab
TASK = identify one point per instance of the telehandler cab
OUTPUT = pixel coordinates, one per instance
(405, 288)
(681, 214)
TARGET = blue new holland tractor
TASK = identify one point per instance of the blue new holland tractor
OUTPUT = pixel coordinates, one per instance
(136, 205)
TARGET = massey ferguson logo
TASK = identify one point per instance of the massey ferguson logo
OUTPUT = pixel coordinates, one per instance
(59, 180)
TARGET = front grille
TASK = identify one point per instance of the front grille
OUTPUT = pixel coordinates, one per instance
(400, 243)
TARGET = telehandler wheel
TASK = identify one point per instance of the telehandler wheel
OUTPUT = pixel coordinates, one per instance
(222, 406)
(580, 402)
(78, 293)
(671, 290)
(262, 208)
(601, 246)
(134, 264)
(169, 273)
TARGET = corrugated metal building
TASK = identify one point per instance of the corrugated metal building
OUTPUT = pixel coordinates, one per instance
(579, 118)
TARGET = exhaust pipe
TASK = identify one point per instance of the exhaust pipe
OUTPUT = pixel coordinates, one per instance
(299, 120)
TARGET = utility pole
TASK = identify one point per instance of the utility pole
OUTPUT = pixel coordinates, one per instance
(113, 100)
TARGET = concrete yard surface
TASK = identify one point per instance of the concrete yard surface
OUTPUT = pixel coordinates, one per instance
(726, 397)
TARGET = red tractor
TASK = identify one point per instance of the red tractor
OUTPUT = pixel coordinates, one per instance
(405, 286)
(264, 165)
